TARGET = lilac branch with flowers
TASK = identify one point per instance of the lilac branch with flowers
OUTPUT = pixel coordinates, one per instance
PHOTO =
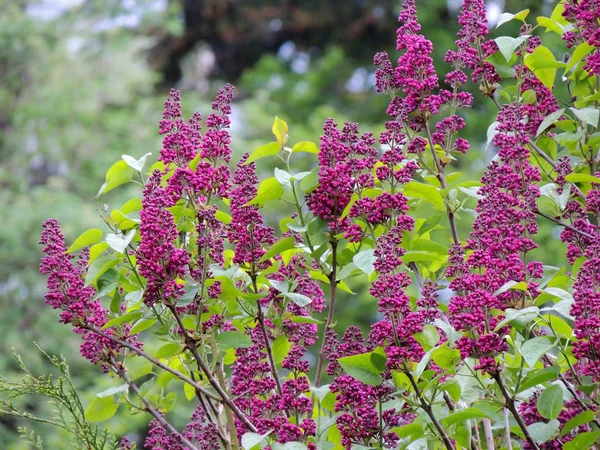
(489, 329)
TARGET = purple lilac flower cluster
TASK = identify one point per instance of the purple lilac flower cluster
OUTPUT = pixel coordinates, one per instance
(530, 414)
(199, 431)
(585, 15)
(67, 291)
(346, 159)
(502, 234)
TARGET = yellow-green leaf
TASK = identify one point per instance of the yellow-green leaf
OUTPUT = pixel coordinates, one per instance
(280, 130)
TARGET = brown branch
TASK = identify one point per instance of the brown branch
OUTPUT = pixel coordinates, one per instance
(510, 404)
(191, 345)
(565, 225)
(120, 370)
(154, 361)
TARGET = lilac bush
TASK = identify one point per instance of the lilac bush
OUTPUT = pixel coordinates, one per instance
(511, 360)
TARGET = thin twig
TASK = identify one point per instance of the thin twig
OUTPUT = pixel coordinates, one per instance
(154, 361)
(565, 225)
(510, 404)
(120, 370)
(191, 345)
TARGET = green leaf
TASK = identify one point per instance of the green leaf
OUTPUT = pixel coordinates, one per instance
(582, 178)
(168, 350)
(542, 432)
(118, 242)
(543, 64)
(462, 415)
(251, 440)
(133, 297)
(550, 25)
(420, 256)
(304, 319)
(234, 339)
(125, 318)
(113, 391)
(142, 325)
(425, 192)
(101, 409)
(428, 246)
(579, 419)
(98, 267)
(305, 147)
(118, 174)
(280, 130)
(298, 299)
(428, 338)
(578, 54)
(549, 120)
(445, 357)
(223, 217)
(533, 349)
(280, 348)
(270, 149)
(96, 250)
(560, 293)
(362, 368)
(507, 17)
(588, 116)
(524, 315)
(550, 402)
(365, 260)
(167, 403)
(269, 189)
(86, 239)
(507, 45)
(537, 377)
(136, 164)
(582, 441)
(429, 224)
(279, 247)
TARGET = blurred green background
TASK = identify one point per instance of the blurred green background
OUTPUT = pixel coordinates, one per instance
(82, 82)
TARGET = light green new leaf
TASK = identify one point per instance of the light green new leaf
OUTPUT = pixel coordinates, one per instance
(101, 409)
(125, 318)
(425, 192)
(582, 441)
(118, 242)
(298, 299)
(86, 239)
(269, 189)
(118, 174)
(279, 247)
(543, 63)
(270, 149)
(280, 130)
(98, 267)
(305, 147)
(578, 54)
